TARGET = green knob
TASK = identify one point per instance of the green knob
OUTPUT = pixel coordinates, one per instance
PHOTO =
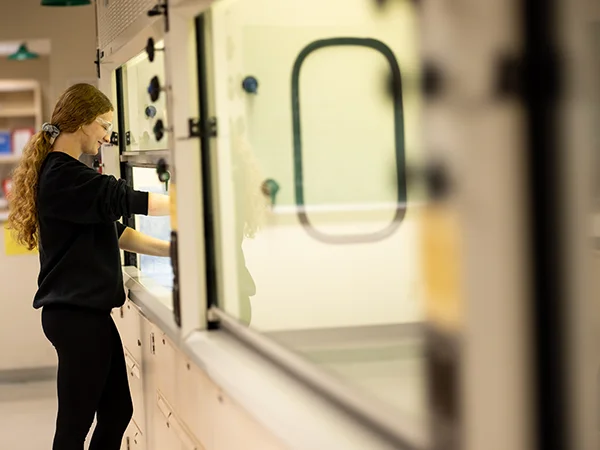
(270, 187)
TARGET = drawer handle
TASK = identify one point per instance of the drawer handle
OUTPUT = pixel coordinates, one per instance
(163, 407)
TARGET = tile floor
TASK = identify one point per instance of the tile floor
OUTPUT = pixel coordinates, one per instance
(27, 415)
(23, 405)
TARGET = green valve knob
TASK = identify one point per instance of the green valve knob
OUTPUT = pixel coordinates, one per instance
(270, 187)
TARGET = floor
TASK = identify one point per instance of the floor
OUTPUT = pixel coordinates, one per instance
(27, 415)
(24, 404)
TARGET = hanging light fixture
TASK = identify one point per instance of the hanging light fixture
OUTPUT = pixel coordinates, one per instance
(66, 2)
(23, 54)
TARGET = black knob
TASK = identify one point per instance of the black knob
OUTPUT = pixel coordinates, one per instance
(436, 178)
(154, 88)
(150, 49)
(433, 81)
(159, 130)
(438, 181)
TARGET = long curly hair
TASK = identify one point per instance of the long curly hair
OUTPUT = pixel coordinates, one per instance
(79, 105)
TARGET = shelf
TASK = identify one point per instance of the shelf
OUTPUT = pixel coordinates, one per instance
(9, 159)
(18, 85)
(18, 112)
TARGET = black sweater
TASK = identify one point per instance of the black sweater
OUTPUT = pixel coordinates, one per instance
(78, 210)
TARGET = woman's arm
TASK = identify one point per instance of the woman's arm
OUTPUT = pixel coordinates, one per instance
(136, 242)
(158, 204)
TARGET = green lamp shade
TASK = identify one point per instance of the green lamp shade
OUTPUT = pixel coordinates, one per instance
(23, 54)
(66, 2)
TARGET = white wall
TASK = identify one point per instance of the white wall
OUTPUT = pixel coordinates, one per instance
(348, 158)
(72, 35)
(71, 32)
(22, 342)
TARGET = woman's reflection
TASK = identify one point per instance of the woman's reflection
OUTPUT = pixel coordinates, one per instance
(250, 206)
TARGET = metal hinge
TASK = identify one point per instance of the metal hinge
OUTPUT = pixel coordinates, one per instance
(128, 443)
(161, 9)
(152, 345)
(195, 128)
(128, 138)
(99, 56)
(114, 138)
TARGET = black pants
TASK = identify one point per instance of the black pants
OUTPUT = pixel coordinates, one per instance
(92, 378)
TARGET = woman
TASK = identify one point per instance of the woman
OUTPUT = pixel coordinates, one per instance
(70, 213)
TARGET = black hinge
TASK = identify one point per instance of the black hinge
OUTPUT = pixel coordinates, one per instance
(128, 443)
(152, 345)
(128, 138)
(161, 9)
(114, 138)
(195, 128)
(99, 56)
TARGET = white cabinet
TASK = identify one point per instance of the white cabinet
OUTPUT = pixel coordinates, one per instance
(176, 405)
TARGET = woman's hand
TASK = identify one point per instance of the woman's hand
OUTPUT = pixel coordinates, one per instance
(133, 241)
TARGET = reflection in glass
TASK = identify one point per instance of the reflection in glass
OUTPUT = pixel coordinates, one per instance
(141, 113)
(352, 306)
(159, 268)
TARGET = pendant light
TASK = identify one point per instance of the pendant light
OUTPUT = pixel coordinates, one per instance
(23, 54)
(66, 2)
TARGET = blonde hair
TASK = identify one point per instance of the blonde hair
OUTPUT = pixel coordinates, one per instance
(79, 105)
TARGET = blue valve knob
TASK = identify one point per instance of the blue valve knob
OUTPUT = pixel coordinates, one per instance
(250, 85)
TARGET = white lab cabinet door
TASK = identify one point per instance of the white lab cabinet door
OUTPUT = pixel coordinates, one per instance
(235, 429)
(166, 367)
(197, 401)
(136, 387)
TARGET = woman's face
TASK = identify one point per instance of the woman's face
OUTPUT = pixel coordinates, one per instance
(96, 133)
